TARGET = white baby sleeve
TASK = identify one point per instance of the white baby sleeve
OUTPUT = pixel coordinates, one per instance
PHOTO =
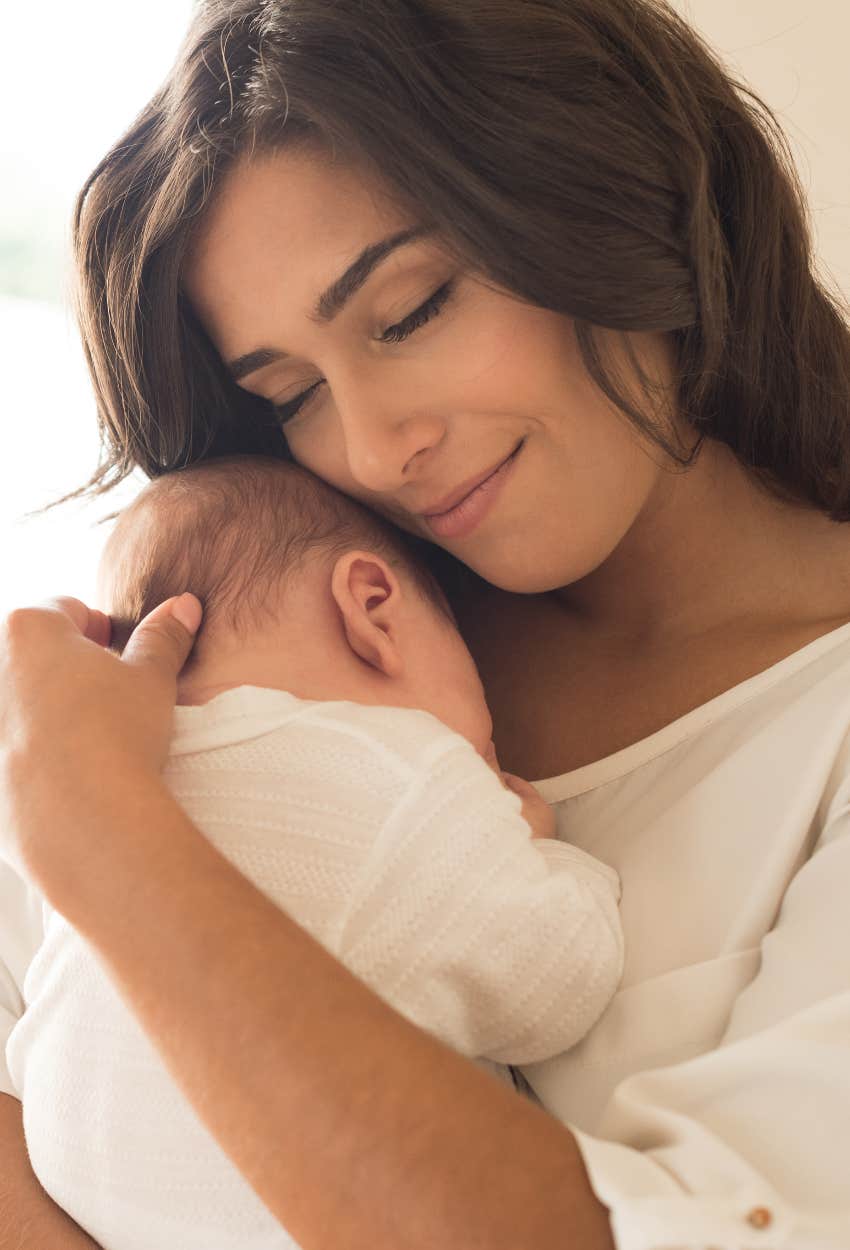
(505, 947)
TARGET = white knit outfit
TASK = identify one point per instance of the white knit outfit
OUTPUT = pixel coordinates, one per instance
(389, 839)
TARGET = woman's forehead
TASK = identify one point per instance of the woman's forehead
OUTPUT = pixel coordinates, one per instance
(291, 221)
(303, 199)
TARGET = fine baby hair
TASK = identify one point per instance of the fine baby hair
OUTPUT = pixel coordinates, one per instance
(232, 531)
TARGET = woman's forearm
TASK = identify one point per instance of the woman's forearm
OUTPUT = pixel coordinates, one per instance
(29, 1218)
(356, 1129)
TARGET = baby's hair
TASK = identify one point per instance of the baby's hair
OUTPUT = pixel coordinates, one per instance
(231, 531)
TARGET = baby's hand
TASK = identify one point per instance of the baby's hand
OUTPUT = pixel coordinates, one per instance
(537, 813)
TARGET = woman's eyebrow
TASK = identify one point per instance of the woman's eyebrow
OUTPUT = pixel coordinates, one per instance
(334, 299)
(337, 295)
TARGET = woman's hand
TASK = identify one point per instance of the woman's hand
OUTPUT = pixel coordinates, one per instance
(76, 721)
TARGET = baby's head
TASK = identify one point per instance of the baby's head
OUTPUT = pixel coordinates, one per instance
(303, 590)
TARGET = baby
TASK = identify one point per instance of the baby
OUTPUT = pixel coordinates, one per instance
(334, 743)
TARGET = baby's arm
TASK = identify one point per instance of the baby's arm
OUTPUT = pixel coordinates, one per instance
(504, 946)
(536, 812)
(416, 868)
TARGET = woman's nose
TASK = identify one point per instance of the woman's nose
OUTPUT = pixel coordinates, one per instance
(387, 436)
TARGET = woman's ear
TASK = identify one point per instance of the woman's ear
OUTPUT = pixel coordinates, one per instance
(368, 597)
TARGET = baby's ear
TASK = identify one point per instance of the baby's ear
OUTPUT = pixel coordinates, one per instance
(367, 594)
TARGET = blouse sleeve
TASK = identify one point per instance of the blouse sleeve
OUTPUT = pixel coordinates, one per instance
(504, 947)
(21, 933)
(748, 1145)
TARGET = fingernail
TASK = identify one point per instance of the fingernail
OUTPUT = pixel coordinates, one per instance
(188, 612)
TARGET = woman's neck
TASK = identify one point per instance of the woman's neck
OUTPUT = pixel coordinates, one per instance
(712, 547)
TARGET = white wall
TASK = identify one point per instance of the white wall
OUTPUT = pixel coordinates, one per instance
(795, 54)
(73, 77)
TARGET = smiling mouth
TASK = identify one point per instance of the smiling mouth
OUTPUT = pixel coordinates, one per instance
(465, 515)
(438, 512)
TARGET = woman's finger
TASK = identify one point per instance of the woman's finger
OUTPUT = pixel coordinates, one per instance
(166, 635)
(91, 623)
(99, 628)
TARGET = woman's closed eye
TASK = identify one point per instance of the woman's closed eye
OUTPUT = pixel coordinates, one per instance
(419, 317)
(393, 334)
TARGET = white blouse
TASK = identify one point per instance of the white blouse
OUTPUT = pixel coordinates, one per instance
(712, 1100)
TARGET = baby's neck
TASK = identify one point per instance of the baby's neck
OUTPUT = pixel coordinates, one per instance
(316, 673)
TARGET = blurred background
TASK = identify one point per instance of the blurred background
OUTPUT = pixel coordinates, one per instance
(75, 75)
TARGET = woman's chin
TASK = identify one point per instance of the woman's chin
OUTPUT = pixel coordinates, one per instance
(517, 580)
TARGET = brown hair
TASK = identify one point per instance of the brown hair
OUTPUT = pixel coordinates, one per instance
(591, 156)
(234, 531)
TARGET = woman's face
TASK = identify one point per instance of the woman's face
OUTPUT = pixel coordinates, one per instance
(413, 380)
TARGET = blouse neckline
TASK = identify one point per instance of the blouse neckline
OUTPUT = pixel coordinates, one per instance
(627, 759)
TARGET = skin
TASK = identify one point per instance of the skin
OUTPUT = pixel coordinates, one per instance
(365, 635)
(353, 628)
(640, 591)
(612, 571)
(399, 426)
(43, 1223)
(356, 629)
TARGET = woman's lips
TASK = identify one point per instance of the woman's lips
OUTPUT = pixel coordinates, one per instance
(463, 518)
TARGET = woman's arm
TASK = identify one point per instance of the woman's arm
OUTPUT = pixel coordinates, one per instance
(29, 1218)
(355, 1128)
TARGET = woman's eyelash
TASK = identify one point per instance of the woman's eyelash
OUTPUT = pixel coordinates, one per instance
(394, 334)
(285, 412)
(419, 317)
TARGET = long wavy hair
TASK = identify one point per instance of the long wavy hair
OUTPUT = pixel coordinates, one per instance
(590, 156)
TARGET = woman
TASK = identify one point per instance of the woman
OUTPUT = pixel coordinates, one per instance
(534, 281)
